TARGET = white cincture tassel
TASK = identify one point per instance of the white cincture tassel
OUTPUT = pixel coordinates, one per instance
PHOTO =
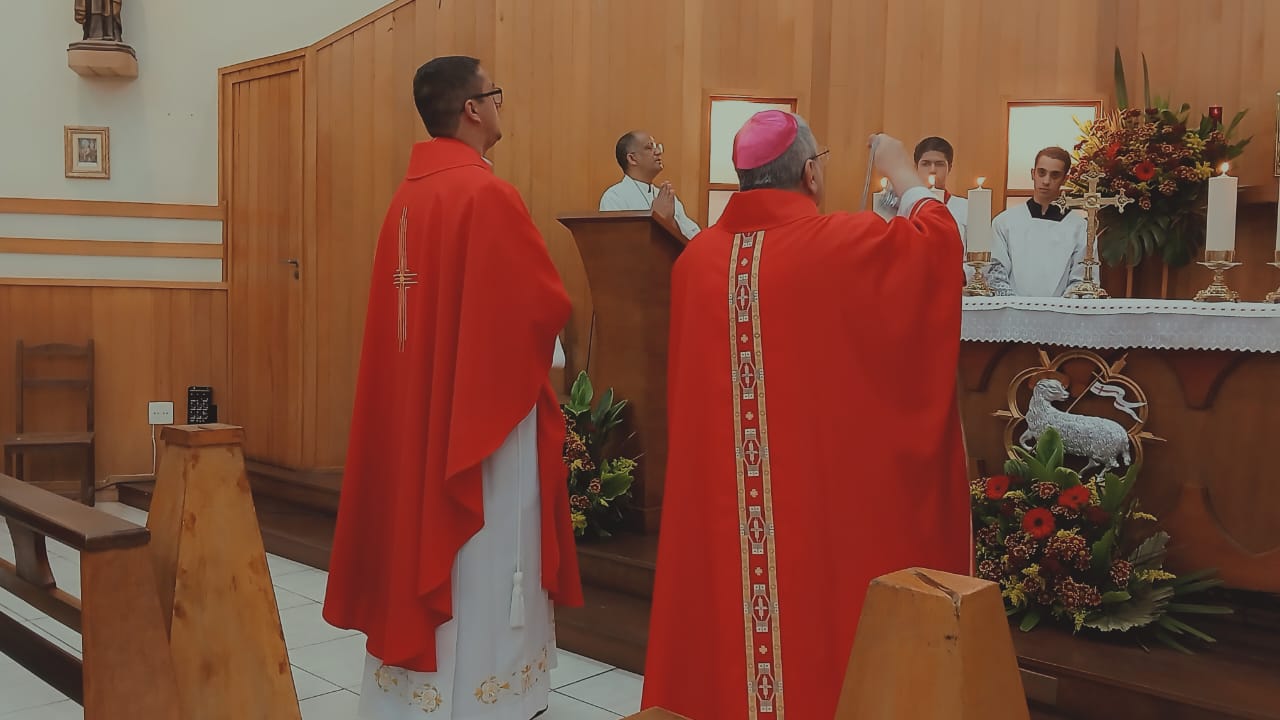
(517, 600)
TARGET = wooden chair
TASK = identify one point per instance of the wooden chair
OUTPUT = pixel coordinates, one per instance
(17, 445)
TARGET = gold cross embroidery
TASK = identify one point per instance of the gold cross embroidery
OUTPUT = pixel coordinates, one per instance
(403, 278)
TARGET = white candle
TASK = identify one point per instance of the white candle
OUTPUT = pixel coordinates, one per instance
(1221, 231)
(1278, 227)
(937, 191)
(978, 231)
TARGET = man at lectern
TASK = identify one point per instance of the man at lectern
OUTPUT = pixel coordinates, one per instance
(640, 157)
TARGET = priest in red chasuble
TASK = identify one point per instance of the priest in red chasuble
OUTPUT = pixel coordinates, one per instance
(453, 537)
(814, 432)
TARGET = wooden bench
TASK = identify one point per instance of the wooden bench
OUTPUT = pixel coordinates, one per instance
(127, 671)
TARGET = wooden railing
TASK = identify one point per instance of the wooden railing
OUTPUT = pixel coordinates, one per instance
(126, 671)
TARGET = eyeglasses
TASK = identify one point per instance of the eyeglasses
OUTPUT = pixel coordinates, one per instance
(495, 93)
(653, 147)
(822, 155)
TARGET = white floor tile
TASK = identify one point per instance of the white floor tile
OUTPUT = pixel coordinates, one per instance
(571, 668)
(69, 638)
(309, 686)
(21, 690)
(309, 583)
(283, 566)
(64, 710)
(128, 512)
(286, 599)
(18, 608)
(617, 691)
(341, 662)
(304, 626)
(66, 573)
(562, 707)
(340, 705)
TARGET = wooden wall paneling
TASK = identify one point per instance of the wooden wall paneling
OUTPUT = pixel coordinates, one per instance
(578, 74)
(309, 388)
(337, 275)
(110, 248)
(854, 96)
(109, 208)
(150, 344)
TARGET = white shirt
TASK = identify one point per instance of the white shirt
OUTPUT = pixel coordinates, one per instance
(1035, 256)
(632, 194)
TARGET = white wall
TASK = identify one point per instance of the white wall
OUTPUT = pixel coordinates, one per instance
(164, 123)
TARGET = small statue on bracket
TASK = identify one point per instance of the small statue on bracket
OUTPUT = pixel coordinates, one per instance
(100, 20)
(101, 52)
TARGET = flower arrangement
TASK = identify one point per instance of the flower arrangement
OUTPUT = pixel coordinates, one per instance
(599, 486)
(1162, 161)
(1065, 549)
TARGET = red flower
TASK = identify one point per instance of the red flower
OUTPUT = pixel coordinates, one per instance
(1112, 149)
(1075, 497)
(1144, 170)
(1038, 523)
(1097, 515)
(997, 487)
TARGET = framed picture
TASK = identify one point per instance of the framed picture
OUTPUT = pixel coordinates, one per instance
(87, 151)
(1033, 125)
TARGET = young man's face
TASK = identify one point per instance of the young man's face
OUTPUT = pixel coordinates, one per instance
(1048, 176)
(933, 163)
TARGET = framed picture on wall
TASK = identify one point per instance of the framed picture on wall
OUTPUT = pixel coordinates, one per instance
(724, 116)
(1035, 125)
(87, 151)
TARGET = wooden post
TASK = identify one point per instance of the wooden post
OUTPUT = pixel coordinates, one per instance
(215, 588)
(127, 668)
(932, 646)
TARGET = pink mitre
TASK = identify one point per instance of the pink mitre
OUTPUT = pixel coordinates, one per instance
(763, 139)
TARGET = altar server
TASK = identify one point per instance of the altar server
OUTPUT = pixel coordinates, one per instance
(1037, 250)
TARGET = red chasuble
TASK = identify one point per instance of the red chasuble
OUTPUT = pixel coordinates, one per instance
(814, 444)
(463, 314)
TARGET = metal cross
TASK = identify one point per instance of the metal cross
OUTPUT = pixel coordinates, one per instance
(1091, 202)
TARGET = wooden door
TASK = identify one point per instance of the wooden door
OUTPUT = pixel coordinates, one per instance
(261, 110)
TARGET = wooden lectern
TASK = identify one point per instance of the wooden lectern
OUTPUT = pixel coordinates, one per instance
(628, 258)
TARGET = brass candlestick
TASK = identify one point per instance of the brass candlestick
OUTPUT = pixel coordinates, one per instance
(1274, 297)
(1219, 261)
(1087, 288)
(978, 286)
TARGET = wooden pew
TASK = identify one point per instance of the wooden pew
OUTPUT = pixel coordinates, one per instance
(127, 672)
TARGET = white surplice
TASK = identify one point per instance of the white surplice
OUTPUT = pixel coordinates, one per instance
(632, 194)
(1035, 254)
(487, 669)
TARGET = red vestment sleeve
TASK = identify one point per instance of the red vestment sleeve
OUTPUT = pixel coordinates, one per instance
(464, 310)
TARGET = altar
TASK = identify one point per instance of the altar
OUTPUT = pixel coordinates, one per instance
(1196, 386)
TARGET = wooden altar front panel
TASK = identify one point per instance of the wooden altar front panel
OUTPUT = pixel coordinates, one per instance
(1212, 483)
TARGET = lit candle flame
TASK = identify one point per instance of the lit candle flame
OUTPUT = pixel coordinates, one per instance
(980, 181)
(884, 183)
(1224, 168)
(932, 181)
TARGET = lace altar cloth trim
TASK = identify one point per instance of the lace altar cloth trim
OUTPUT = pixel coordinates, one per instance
(1124, 323)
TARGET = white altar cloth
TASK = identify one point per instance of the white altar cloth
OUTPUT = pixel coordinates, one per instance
(1123, 323)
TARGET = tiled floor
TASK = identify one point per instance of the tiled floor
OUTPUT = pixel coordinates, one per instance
(327, 662)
